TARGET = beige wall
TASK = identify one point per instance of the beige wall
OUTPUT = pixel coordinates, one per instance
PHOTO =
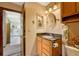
(30, 15)
(30, 29)
(11, 6)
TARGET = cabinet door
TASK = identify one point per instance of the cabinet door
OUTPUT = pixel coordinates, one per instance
(47, 47)
(68, 8)
(39, 46)
(77, 7)
(57, 51)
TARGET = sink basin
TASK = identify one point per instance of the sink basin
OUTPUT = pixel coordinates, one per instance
(49, 37)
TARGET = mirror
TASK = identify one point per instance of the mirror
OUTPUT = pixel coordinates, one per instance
(51, 21)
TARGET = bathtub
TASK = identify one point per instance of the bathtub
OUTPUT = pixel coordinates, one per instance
(70, 51)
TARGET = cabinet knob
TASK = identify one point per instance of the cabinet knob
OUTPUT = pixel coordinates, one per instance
(55, 45)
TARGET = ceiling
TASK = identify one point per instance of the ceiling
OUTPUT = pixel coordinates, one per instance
(21, 3)
(44, 3)
(18, 3)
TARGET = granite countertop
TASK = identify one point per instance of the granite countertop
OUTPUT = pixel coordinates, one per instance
(50, 36)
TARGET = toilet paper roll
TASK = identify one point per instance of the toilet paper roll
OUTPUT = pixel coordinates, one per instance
(55, 45)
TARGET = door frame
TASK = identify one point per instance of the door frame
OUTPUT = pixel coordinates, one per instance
(23, 14)
(7, 9)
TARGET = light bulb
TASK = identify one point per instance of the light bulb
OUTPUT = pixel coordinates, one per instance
(55, 7)
(50, 9)
(46, 12)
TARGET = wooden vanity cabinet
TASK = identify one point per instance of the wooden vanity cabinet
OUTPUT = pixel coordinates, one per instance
(77, 5)
(45, 48)
(68, 8)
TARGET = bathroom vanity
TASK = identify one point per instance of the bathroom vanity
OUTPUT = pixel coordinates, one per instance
(49, 44)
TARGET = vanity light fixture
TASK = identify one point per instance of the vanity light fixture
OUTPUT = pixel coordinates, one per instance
(48, 11)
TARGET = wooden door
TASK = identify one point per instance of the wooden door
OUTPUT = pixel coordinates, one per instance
(68, 8)
(77, 7)
(1, 34)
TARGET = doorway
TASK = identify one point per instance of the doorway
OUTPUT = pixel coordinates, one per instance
(12, 33)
